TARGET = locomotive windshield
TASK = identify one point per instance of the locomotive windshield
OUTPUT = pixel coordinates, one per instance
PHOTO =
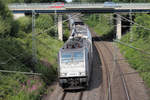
(66, 57)
(72, 57)
(78, 56)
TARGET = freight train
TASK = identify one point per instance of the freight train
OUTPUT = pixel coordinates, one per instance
(75, 57)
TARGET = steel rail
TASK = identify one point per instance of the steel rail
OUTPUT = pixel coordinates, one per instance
(107, 72)
(63, 96)
(109, 96)
(121, 74)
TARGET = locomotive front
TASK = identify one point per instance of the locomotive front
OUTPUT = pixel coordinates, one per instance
(72, 68)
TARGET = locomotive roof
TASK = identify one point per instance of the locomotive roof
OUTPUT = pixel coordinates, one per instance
(74, 43)
(79, 37)
(76, 19)
(81, 31)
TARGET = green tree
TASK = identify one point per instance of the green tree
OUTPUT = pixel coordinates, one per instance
(7, 25)
(25, 24)
(43, 1)
(139, 32)
(44, 22)
(15, 1)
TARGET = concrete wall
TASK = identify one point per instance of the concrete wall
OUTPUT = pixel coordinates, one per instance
(119, 31)
(60, 32)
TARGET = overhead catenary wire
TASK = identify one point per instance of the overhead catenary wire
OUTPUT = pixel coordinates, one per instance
(144, 27)
(11, 58)
(126, 25)
(125, 19)
(135, 72)
(14, 58)
(55, 25)
(27, 73)
(133, 58)
(138, 49)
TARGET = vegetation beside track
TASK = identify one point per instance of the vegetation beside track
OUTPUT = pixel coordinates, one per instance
(138, 37)
(102, 24)
(16, 55)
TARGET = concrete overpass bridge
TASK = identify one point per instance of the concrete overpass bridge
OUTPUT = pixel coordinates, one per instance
(20, 9)
(80, 8)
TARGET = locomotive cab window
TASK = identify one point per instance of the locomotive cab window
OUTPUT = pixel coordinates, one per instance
(66, 57)
(78, 56)
(71, 57)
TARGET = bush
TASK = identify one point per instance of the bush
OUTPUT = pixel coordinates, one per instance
(138, 60)
(101, 24)
(25, 24)
(10, 84)
(13, 55)
(44, 22)
(16, 55)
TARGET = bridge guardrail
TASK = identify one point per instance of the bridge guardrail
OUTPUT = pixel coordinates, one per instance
(75, 5)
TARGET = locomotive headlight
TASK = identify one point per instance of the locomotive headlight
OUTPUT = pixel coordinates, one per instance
(63, 74)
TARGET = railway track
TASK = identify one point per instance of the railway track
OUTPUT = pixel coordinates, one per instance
(102, 88)
(107, 87)
(60, 94)
(70, 96)
(124, 83)
(104, 63)
(109, 92)
(109, 52)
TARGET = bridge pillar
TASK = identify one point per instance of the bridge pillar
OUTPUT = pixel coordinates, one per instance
(18, 15)
(60, 32)
(118, 34)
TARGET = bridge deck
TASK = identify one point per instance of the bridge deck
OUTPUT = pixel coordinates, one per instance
(84, 8)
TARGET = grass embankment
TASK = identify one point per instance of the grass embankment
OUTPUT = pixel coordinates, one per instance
(141, 40)
(16, 55)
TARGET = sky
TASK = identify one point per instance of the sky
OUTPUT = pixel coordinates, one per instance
(68, 0)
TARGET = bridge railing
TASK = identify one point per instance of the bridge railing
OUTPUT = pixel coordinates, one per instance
(77, 5)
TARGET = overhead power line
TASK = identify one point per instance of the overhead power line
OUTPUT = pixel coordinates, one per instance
(133, 22)
(11, 58)
(27, 73)
(138, 49)
(55, 25)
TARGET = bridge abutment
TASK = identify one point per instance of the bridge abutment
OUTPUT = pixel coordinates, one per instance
(60, 32)
(118, 34)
